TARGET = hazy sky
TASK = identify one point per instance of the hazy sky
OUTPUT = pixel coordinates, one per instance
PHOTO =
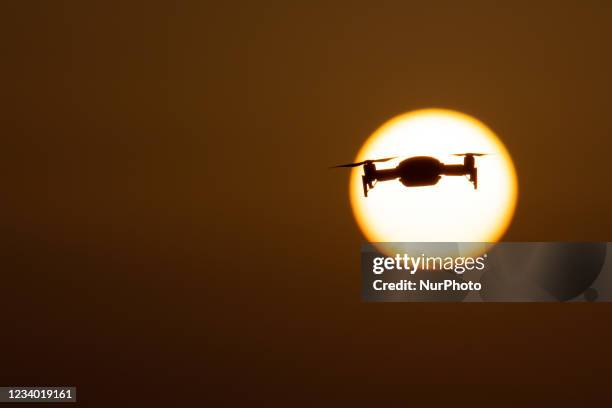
(169, 218)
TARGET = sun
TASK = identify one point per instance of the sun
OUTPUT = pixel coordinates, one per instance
(450, 211)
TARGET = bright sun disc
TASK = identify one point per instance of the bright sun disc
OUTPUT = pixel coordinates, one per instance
(450, 211)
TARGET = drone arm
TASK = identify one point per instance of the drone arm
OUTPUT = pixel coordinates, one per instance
(453, 170)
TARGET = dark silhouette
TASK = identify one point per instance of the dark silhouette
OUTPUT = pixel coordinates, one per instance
(417, 171)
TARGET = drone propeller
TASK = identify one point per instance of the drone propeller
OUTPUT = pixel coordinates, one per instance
(363, 162)
(472, 154)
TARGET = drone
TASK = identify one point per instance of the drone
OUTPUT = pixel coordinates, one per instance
(417, 171)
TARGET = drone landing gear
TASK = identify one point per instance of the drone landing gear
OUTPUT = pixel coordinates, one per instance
(365, 186)
(474, 177)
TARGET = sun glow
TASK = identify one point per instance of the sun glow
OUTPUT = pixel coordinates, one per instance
(450, 211)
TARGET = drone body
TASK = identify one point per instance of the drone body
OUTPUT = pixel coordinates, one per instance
(417, 171)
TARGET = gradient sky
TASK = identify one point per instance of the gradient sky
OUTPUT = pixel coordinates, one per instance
(169, 218)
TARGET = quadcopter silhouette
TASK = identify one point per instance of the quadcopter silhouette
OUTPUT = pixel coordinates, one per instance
(417, 171)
